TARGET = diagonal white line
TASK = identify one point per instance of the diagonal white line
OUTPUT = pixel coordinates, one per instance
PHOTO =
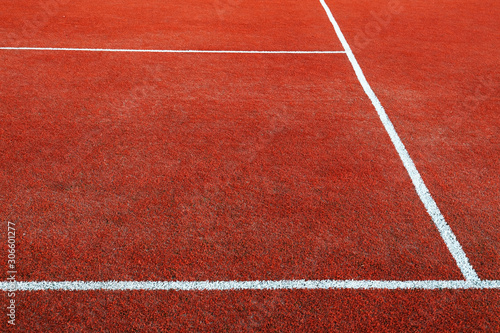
(444, 229)
(164, 51)
(472, 280)
(246, 285)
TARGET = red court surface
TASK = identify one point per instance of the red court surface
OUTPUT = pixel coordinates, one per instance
(435, 69)
(213, 175)
(200, 172)
(275, 311)
(155, 24)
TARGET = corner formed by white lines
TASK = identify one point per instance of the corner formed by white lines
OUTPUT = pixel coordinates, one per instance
(246, 285)
(444, 229)
(471, 281)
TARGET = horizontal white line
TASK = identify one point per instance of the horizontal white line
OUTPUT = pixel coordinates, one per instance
(246, 285)
(163, 51)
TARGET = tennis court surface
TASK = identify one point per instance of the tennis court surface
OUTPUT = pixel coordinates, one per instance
(234, 165)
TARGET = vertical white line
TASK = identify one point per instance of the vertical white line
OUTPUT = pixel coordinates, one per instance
(444, 229)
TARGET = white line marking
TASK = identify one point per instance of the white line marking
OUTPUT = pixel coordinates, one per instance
(247, 285)
(472, 280)
(444, 229)
(164, 51)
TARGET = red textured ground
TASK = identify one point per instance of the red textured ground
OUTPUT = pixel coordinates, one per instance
(196, 167)
(157, 24)
(250, 311)
(225, 167)
(435, 69)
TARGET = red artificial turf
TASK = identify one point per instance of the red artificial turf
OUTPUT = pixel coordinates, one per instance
(196, 167)
(261, 311)
(434, 67)
(158, 24)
